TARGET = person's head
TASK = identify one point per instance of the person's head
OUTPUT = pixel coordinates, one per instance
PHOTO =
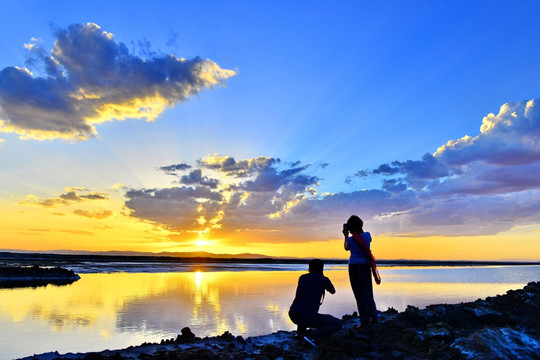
(355, 224)
(316, 266)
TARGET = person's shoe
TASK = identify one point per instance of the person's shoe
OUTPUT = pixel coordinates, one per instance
(301, 331)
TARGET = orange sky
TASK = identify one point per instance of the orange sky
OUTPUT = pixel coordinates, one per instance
(27, 227)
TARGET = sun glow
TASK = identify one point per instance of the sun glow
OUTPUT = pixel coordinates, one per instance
(202, 242)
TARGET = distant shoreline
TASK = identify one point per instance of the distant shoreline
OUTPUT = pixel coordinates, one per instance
(50, 259)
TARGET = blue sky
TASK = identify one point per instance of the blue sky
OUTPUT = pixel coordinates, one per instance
(349, 96)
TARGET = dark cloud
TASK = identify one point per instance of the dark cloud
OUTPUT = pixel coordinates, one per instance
(394, 186)
(71, 196)
(177, 209)
(88, 78)
(242, 168)
(172, 169)
(94, 214)
(195, 178)
(416, 172)
(271, 179)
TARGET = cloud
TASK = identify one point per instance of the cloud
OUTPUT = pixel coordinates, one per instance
(509, 138)
(195, 178)
(177, 209)
(471, 186)
(244, 195)
(474, 185)
(94, 214)
(172, 169)
(71, 196)
(89, 78)
(239, 169)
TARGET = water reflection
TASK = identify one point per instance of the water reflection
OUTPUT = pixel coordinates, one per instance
(120, 309)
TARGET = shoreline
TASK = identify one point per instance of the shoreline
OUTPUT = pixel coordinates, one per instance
(49, 259)
(34, 276)
(503, 326)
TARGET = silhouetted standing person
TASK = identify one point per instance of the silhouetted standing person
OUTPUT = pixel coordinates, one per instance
(361, 264)
(304, 310)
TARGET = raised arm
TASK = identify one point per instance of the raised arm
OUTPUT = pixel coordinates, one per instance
(330, 287)
(346, 235)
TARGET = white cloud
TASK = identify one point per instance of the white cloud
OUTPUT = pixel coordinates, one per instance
(90, 78)
(474, 185)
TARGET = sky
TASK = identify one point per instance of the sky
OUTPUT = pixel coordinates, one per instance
(261, 126)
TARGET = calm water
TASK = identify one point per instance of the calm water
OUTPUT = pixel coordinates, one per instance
(115, 310)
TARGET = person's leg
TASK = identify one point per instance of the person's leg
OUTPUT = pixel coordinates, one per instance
(325, 325)
(368, 304)
(357, 276)
(354, 278)
(301, 330)
(371, 300)
(373, 309)
(300, 322)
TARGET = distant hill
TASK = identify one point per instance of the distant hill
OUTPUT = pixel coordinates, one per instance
(193, 254)
(248, 257)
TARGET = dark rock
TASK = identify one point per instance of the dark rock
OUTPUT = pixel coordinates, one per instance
(499, 343)
(391, 311)
(186, 332)
(488, 316)
(347, 317)
(34, 276)
(227, 336)
(241, 340)
(94, 356)
(270, 351)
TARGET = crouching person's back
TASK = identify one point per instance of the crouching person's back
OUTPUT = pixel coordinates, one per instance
(304, 310)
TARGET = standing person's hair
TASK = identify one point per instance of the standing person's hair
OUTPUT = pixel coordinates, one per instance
(316, 265)
(355, 224)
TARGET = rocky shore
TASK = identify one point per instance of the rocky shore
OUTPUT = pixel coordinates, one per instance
(17, 276)
(502, 327)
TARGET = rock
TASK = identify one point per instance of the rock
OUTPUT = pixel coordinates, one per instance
(499, 343)
(391, 311)
(227, 336)
(439, 332)
(186, 337)
(33, 276)
(489, 316)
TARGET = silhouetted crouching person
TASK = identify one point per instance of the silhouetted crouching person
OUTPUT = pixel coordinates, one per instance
(304, 310)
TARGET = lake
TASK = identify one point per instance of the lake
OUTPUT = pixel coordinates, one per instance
(118, 309)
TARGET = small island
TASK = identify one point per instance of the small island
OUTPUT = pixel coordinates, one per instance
(32, 276)
(501, 327)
